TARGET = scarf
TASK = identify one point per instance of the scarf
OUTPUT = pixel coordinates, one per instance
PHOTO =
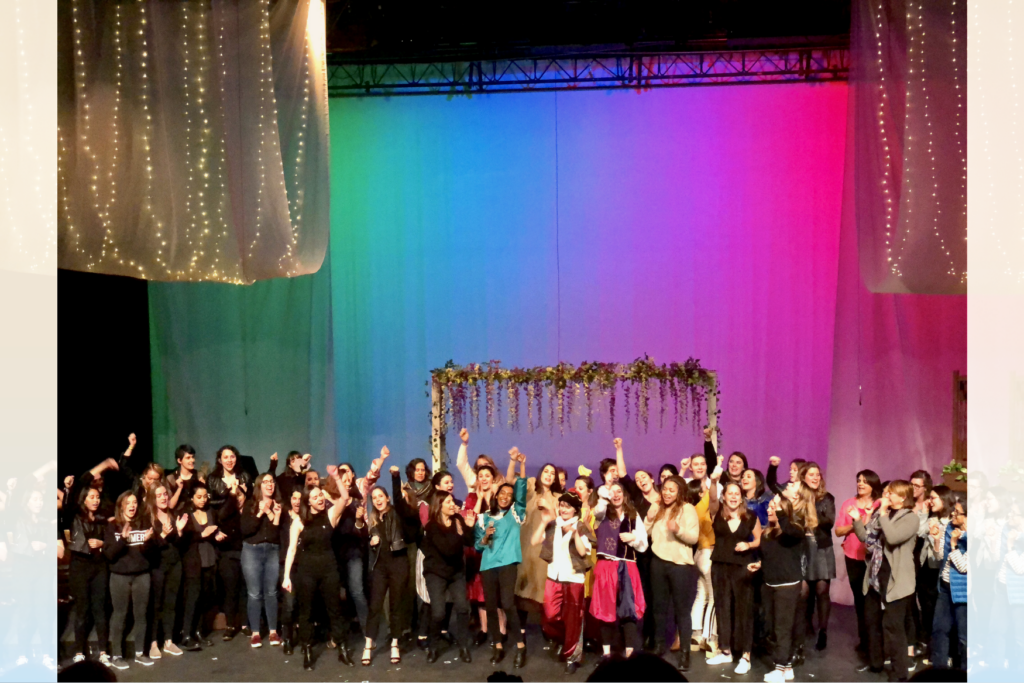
(875, 552)
(420, 490)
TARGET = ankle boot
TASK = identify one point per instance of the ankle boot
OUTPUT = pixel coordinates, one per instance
(344, 656)
(520, 660)
(307, 657)
(497, 654)
(684, 659)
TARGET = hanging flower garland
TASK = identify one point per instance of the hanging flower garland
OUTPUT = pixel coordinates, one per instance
(678, 383)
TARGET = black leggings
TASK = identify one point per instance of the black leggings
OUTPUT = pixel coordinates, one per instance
(855, 571)
(89, 584)
(165, 582)
(675, 585)
(317, 576)
(440, 589)
(499, 591)
(200, 596)
(630, 634)
(390, 577)
(734, 606)
(822, 597)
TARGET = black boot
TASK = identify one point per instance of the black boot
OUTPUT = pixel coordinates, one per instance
(307, 657)
(497, 653)
(205, 642)
(464, 655)
(480, 638)
(431, 655)
(344, 656)
(520, 661)
(288, 649)
(229, 633)
(570, 668)
(190, 644)
(822, 640)
(684, 659)
(659, 648)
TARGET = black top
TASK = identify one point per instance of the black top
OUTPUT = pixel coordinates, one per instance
(81, 531)
(197, 551)
(315, 538)
(399, 526)
(229, 522)
(219, 491)
(168, 549)
(726, 540)
(780, 556)
(106, 509)
(826, 509)
(288, 482)
(349, 542)
(256, 530)
(442, 547)
(127, 555)
(772, 480)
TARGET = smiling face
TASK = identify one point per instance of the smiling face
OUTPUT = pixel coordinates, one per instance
(267, 487)
(959, 517)
(936, 501)
(188, 462)
(582, 489)
(733, 497)
(484, 480)
(199, 498)
(380, 500)
(547, 476)
(130, 507)
(643, 482)
(616, 495)
(736, 466)
(813, 478)
(748, 482)
(505, 497)
(566, 511)
(863, 487)
(448, 506)
(917, 484)
(794, 472)
(669, 493)
(228, 460)
(419, 473)
(447, 484)
(296, 501)
(161, 497)
(317, 500)
(312, 479)
(35, 502)
(895, 499)
(699, 467)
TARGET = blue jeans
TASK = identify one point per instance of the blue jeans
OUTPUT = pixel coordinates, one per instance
(946, 615)
(354, 587)
(260, 564)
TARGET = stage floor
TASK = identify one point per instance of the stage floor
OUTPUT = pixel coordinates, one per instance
(236, 661)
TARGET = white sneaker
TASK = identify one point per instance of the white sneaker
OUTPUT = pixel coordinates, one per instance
(774, 676)
(720, 658)
(789, 673)
(49, 663)
(104, 659)
(78, 658)
(743, 667)
(22, 661)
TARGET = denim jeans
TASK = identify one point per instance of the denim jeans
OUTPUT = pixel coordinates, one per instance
(260, 564)
(355, 587)
(948, 615)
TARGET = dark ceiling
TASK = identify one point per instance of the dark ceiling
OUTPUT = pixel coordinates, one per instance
(455, 30)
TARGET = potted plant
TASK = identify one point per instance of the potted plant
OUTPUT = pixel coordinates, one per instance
(954, 475)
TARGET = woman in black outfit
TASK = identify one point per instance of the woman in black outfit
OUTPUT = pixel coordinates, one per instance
(88, 574)
(821, 565)
(444, 570)
(125, 545)
(164, 570)
(199, 567)
(227, 479)
(286, 611)
(311, 554)
(392, 527)
(229, 562)
(186, 475)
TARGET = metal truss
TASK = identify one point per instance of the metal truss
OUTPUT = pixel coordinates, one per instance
(617, 71)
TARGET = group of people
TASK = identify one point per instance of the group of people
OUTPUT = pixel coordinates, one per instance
(696, 558)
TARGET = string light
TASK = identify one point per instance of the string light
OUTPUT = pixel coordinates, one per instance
(883, 101)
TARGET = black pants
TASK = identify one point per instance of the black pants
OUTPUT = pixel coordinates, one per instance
(200, 596)
(89, 584)
(125, 589)
(630, 634)
(390, 577)
(229, 568)
(780, 604)
(887, 632)
(499, 592)
(675, 585)
(164, 583)
(286, 607)
(317, 577)
(855, 571)
(643, 565)
(927, 596)
(440, 591)
(734, 606)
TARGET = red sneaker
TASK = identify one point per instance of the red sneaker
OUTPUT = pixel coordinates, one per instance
(255, 641)
(275, 639)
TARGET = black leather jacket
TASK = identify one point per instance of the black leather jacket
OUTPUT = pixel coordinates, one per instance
(219, 491)
(399, 527)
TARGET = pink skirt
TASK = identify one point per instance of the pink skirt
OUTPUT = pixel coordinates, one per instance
(604, 600)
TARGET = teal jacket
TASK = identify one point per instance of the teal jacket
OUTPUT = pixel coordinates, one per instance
(504, 548)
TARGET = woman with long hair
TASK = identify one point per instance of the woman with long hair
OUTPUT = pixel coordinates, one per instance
(869, 490)
(889, 583)
(228, 540)
(781, 550)
(702, 614)
(476, 503)
(286, 609)
(498, 532)
(164, 570)
(737, 536)
(88, 575)
(261, 519)
(755, 494)
(199, 569)
(736, 465)
(227, 478)
(821, 565)
(315, 569)
(393, 526)
(533, 572)
(444, 570)
(619, 600)
(674, 529)
(124, 545)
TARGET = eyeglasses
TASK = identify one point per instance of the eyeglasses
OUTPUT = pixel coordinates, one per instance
(918, 486)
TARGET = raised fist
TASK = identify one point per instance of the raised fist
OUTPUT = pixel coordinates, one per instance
(684, 465)
(332, 470)
(360, 512)
(384, 452)
(273, 458)
(69, 481)
(464, 435)
(708, 431)
(394, 469)
(131, 440)
(717, 474)
(775, 461)
(617, 442)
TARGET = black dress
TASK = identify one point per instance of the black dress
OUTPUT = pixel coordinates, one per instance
(315, 575)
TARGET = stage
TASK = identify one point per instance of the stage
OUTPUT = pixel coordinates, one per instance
(235, 660)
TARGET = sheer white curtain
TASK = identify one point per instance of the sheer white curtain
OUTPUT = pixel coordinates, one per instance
(908, 137)
(193, 138)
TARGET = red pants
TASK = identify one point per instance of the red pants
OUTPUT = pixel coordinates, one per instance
(564, 607)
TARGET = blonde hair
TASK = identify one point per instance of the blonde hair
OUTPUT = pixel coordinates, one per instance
(820, 492)
(804, 508)
(904, 489)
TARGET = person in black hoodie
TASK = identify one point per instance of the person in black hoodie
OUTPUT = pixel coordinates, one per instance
(393, 526)
(199, 565)
(781, 549)
(311, 554)
(88, 574)
(444, 570)
(125, 544)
